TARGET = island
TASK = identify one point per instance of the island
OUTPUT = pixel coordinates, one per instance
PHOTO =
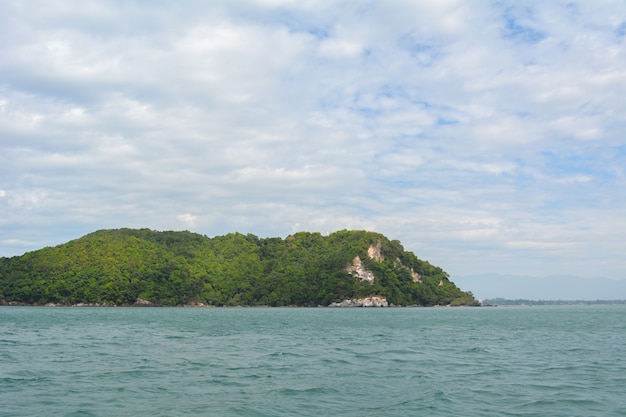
(143, 267)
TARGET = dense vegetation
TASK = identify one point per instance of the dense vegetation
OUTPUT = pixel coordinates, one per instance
(117, 267)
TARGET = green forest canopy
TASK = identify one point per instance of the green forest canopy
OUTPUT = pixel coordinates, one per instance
(117, 267)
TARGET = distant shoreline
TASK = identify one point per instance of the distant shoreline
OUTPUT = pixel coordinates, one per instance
(526, 302)
(151, 305)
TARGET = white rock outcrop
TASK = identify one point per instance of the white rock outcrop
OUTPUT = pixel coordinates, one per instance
(357, 269)
(140, 302)
(373, 301)
(416, 277)
(374, 252)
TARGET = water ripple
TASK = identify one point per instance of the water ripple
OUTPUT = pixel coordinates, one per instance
(312, 362)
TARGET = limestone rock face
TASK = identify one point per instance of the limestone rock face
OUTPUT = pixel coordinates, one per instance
(373, 301)
(374, 252)
(359, 270)
(416, 276)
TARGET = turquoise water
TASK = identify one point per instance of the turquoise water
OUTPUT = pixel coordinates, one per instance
(503, 361)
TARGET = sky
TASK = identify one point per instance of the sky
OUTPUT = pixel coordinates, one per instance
(489, 137)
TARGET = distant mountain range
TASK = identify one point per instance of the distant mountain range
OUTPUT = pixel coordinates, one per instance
(561, 287)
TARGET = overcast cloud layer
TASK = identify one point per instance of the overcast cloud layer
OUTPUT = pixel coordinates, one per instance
(485, 136)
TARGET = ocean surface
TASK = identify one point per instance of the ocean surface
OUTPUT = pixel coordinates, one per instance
(500, 361)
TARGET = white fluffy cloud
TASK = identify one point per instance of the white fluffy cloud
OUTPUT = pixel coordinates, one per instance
(486, 136)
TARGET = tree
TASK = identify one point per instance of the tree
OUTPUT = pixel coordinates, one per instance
(174, 268)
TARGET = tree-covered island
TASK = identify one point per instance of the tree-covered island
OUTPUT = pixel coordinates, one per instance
(119, 267)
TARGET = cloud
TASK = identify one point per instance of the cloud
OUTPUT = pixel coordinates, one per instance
(189, 220)
(484, 136)
(16, 242)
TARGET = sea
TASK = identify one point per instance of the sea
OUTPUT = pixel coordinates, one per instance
(484, 361)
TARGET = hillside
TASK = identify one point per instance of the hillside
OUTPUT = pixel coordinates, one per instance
(118, 267)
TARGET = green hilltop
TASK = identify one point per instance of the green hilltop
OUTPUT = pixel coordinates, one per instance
(122, 266)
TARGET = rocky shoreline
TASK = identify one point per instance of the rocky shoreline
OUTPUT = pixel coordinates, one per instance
(138, 303)
(373, 301)
(366, 302)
